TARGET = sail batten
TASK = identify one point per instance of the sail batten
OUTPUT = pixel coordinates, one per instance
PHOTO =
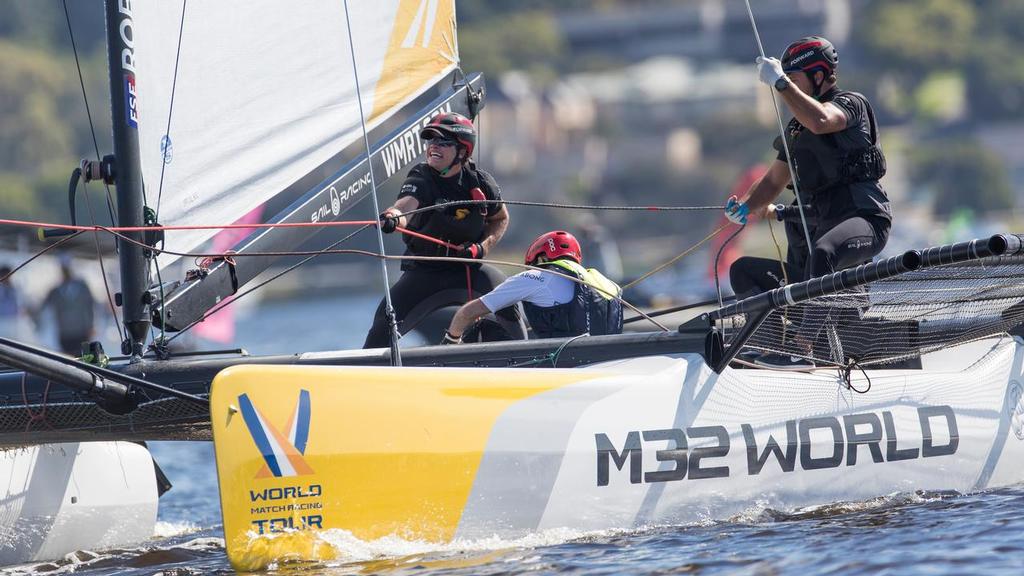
(264, 93)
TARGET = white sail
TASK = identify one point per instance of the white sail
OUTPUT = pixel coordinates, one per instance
(261, 92)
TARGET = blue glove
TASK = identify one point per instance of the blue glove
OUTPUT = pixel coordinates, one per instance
(736, 211)
(769, 70)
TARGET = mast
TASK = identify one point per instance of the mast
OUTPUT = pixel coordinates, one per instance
(124, 111)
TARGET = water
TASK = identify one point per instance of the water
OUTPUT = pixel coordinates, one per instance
(919, 533)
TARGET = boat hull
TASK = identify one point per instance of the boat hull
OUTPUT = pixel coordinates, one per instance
(439, 454)
(59, 498)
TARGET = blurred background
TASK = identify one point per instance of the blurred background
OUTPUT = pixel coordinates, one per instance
(613, 102)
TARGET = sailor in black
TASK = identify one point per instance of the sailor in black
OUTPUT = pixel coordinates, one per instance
(447, 176)
(833, 138)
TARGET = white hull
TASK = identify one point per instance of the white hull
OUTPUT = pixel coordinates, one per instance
(445, 453)
(58, 498)
(956, 425)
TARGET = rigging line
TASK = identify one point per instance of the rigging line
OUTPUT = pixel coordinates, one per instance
(88, 113)
(557, 353)
(85, 189)
(718, 286)
(681, 308)
(82, 228)
(103, 268)
(35, 224)
(396, 358)
(718, 256)
(165, 142)
(675, 259)
(40, 253)
(163, 319)
(564, 206)
(330, 250)
(785, 143)
(383, 256)
(785, 275)
(236, 297)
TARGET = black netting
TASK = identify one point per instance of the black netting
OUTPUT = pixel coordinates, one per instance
(35, 420)
(898, 319)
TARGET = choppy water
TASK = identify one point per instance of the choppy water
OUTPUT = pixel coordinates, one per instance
(919, 533)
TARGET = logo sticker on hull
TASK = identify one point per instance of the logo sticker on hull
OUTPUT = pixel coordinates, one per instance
(283, 453)
(1015, 404)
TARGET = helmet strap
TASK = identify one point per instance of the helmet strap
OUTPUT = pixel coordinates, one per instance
(458, 160)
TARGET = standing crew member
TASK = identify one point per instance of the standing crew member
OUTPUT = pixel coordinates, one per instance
(833, 138)
(73, 309)
(448, 175)
(556, 307)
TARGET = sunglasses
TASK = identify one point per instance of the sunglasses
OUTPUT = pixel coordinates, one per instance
(442, 143)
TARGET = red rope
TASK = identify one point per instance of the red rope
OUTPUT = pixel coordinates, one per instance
(437, 241)
(31, 224)
(34, 417)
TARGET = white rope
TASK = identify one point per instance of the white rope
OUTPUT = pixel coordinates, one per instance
(396, 357)
(785, 143)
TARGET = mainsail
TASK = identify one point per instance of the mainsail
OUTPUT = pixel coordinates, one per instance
(239, 99)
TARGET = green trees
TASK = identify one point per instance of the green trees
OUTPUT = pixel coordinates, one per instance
(962, 174)
(527, 41)
(917, 42)
(995, 69)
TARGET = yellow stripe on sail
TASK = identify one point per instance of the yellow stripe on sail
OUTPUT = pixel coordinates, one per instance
(394, 451)
(423, 47)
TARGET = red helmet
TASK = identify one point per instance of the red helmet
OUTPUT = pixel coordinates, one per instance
(810, 54)
(451, 126)
(554, 245)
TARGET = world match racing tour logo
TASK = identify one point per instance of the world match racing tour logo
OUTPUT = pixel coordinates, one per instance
(283, 456)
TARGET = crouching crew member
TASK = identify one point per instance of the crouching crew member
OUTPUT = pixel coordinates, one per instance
(555, 306)
(833, 138)
(448, 175)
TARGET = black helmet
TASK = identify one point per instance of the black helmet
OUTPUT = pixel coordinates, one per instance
(810, 54)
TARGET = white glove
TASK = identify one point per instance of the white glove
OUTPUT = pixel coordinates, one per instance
(769, 70)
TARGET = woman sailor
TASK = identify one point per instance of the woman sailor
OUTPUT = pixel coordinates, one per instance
(448, 175)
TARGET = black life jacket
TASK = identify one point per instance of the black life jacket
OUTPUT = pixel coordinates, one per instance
(822, 162)
(456, 224)
(591, 311)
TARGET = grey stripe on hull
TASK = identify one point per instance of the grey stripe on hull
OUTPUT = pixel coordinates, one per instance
(522, 460)
(690, 402)
(1005, 421)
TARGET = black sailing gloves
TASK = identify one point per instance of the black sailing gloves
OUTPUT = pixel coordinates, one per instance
(388, 222)
(471, 250)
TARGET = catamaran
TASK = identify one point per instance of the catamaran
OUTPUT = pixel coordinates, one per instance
(218, 108)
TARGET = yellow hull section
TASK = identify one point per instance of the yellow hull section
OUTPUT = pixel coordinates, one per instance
(374, 451)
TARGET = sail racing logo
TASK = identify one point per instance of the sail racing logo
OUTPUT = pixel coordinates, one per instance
(283, 453)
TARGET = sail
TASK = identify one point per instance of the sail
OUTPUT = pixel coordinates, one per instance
(258, 93)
